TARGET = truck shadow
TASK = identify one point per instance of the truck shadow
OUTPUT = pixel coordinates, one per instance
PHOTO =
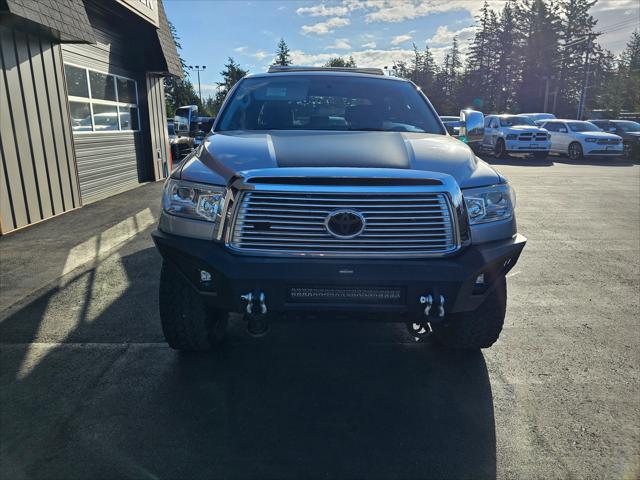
(317, 400)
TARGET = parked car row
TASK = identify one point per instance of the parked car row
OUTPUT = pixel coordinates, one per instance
(540, 134)
(186, 131)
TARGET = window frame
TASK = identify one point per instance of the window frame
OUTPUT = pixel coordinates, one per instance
(118, 104)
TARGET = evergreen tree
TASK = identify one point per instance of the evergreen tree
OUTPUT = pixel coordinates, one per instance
(341, 62)
(629, 73)
(178, 91)
(540, 26)
(283, 55)
(575, 31)
(507, 68)
(231, 74)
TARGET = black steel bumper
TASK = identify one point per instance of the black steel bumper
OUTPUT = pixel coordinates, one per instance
(234, 275)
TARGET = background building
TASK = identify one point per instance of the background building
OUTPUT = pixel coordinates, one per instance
(82, 111)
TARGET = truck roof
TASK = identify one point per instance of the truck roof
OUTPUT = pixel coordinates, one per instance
(320, 71)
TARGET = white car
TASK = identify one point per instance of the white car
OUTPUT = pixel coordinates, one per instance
(512, 134)
(578, 139)
(538, 117)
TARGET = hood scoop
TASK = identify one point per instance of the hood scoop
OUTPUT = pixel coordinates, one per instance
(345, 181)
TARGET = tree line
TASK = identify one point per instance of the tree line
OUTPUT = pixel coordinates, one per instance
(531, 56)
(528, 56)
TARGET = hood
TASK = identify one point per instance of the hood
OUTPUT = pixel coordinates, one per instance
(223, 156)
(598, 135)
(524, 129)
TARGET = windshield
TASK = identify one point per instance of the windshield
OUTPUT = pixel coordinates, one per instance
(321, 102)
(583, 127)
(511, 121)
(628, 126)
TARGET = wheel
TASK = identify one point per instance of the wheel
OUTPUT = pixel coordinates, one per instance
(540, 155)
(500, 150)
(575, 151)
(187, 323)
(479, 329)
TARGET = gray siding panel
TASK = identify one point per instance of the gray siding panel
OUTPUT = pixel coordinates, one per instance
(30, 183)
(158, 126)
(107, 163)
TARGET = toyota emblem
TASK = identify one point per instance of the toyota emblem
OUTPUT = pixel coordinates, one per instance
(344, 224)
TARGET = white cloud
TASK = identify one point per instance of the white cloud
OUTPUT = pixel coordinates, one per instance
(315, 60)
(397, 40)
(208, 89)
(322, 28)
(339, 44)
(400, 10)
(369, 45)
(322, 10)
(261, 54)
(240, 49)
(444, 36)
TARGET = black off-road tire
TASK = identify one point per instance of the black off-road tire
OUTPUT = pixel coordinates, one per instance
(187, 323)
(500, 150)
(479, 329)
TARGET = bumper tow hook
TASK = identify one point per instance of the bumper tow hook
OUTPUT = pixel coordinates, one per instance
(256, 314)
(433, 310)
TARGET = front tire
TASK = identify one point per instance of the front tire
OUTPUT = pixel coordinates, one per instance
(500, 150)
(478, 329)
(575, 151)
(187, 323)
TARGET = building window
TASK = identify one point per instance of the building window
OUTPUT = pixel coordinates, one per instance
(101, 102)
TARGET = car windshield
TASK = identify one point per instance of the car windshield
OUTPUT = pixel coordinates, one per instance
(323, 102)
(583, 127)
(512, 121)
(628, 126)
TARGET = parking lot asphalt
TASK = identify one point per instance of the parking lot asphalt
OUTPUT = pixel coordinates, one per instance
(88, 389)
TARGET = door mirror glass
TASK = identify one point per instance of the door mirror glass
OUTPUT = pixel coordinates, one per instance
(471, 126)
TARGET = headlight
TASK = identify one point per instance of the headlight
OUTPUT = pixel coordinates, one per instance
(489, 204)
(591, 140)
(193, 200)
(512, 136)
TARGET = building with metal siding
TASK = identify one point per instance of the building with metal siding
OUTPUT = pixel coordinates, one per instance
(82, 112)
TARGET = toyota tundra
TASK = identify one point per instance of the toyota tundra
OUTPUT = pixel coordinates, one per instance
(335, 193)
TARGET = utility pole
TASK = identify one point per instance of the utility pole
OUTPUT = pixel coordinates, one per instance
(198, 69)
(546, 91)
(585, 83)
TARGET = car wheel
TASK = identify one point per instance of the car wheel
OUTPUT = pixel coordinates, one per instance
(500, 150)
(627, 150)
(187, 323)
(478, 329)
(575, 151)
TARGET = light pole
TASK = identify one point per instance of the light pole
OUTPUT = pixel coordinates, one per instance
(198, 69)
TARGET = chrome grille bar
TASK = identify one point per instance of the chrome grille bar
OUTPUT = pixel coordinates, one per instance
(293, 223)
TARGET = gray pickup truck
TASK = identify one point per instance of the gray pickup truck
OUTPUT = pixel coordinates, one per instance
(335, 193)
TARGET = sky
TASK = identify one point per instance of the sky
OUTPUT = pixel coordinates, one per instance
(375, 32)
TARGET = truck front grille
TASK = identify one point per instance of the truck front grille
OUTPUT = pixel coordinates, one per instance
(401, 224)
(532, 137)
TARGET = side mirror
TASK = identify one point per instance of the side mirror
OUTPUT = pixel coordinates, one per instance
(471, 126)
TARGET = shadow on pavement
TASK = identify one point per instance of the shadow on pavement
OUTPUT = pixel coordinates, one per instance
(316, 400)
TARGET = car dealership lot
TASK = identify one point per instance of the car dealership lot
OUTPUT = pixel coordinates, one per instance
(88, 389)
